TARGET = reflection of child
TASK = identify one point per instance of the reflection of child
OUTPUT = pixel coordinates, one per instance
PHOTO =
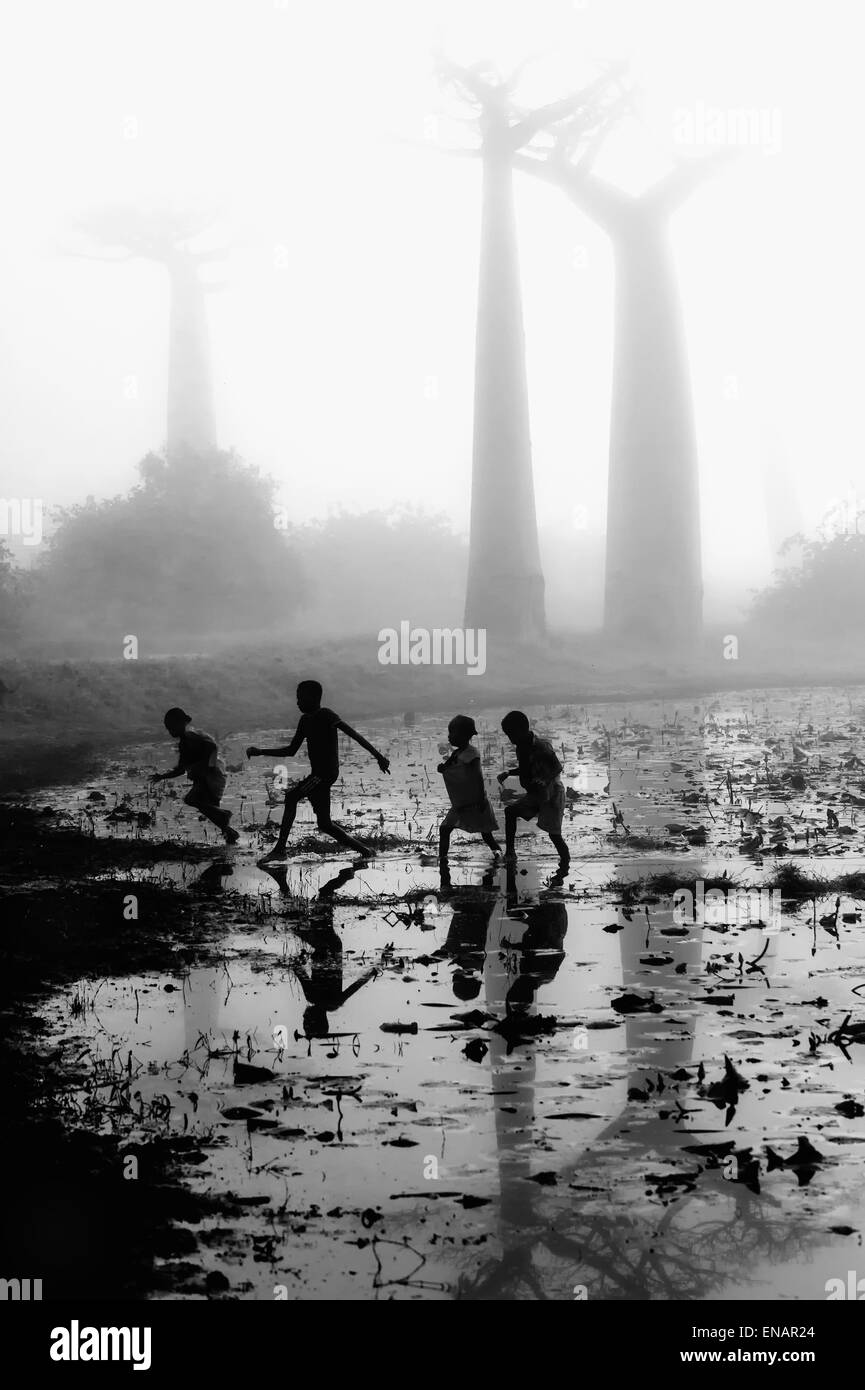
(322, 981)
(464, 781)
(465, 945)
(322, 984)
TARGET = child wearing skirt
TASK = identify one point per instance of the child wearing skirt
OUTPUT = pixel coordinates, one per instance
(464, 781)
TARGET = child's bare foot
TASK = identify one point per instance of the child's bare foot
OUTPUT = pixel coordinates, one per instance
(278, 852)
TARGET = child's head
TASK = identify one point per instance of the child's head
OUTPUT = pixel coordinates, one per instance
(516, 726)
(309, 695)
(460, 730)
(176, 721)
(315, 1022)
(466, 984)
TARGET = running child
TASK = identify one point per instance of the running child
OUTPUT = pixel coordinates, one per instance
(464, 781)
(319, 728)
(198, 757)
(539, 771)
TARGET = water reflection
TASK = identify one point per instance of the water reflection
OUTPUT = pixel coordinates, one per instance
(600, 1237)
(321, 973)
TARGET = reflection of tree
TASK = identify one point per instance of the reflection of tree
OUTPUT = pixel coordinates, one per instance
(535, 935)
(553, 1243)
(586, 1229)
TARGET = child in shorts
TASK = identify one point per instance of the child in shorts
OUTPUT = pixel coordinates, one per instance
(198, 757)
(318, 727)
(539, 771)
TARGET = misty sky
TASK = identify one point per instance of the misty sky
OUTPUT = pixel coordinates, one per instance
(343, 329)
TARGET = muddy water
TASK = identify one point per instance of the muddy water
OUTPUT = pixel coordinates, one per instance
(569, 1154)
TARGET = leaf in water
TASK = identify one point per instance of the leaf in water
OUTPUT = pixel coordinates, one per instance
(635, 1004)
(245, 1075)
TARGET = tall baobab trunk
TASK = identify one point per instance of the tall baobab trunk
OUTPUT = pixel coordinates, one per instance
(783, 512)
(653, 581)
(191, 414)
(161, 234)
(505, 585)
(505, 591)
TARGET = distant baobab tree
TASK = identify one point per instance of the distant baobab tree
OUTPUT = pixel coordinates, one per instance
(163, 235)
(505, 590)
(653, 581)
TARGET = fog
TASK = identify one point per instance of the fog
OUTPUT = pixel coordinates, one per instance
(432, 664)
(342, 321)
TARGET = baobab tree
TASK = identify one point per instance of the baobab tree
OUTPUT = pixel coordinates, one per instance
(164, 235)
(653, 580)
(505, 590)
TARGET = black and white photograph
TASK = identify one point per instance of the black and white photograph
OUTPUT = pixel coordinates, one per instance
(432, 668)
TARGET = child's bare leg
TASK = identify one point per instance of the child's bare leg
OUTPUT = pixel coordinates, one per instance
(524, 809)
(564, 852)
(202, 802)
(444, 842)
(491, 842)
(288, 816)
(342, 837)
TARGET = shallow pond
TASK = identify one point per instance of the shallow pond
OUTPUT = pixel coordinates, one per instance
(525, 1134)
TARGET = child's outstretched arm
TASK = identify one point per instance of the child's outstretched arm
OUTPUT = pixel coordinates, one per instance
(166, 776)
(194, 759)
(383, 762)
(287, 752)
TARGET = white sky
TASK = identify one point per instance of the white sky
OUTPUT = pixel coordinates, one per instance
(352, 280)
